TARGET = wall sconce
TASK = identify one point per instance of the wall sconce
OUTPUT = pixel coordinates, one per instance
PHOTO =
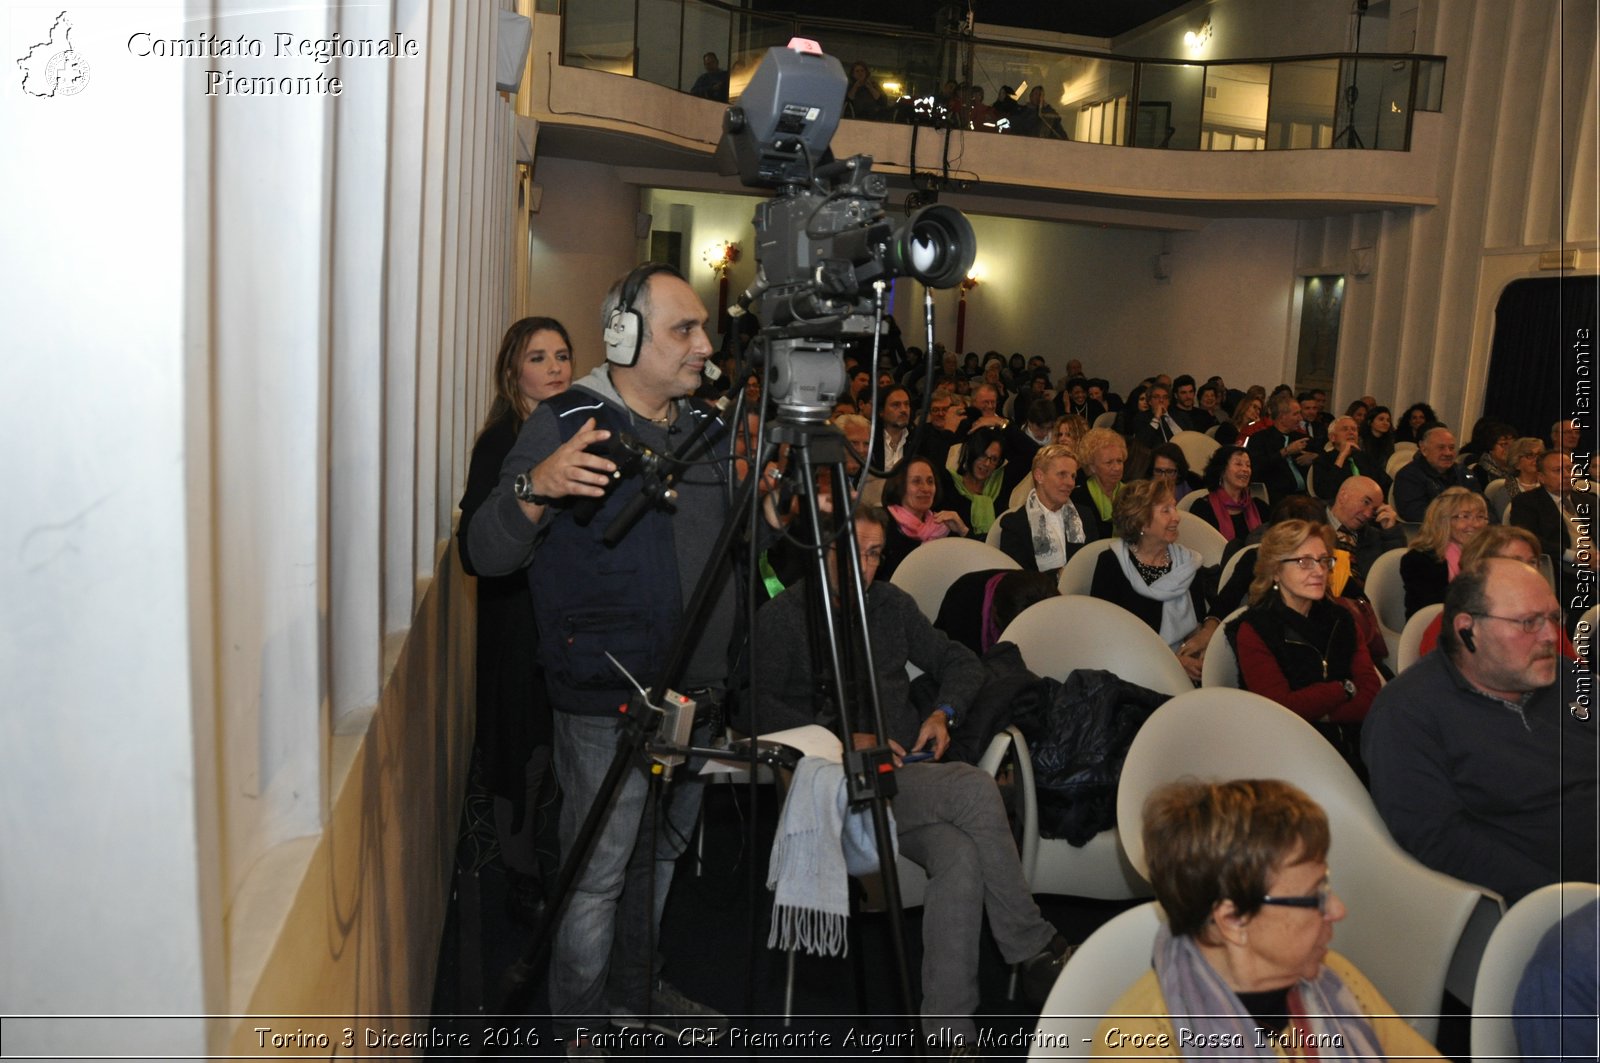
(969, 282)
(1195, 40)
(719, 256)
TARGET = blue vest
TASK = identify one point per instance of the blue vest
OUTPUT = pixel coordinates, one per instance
(590, 598)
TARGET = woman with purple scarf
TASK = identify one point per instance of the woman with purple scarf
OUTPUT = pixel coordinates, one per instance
(1241, 966)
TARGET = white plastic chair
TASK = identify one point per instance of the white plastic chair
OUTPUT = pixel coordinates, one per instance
(1019, 493)
(1211, 433)
(1197, 448)
(1259, 490)
(1220, 668)
(1505, 958)
(1109, 961)
(927, 572)
(1105, 420)
(1410, 645)
(1403, 453)
(1387, 593)
(1405, 921)
(1498, 497)
(992, 536)
(1056, 637)
(1245, 556)
(1077, 575)
(1201, 537)
(1192, 499)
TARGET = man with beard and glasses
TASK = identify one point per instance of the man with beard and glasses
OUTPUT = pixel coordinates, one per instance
(1482, 754)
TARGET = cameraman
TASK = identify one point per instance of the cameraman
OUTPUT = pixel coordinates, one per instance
(590, 598)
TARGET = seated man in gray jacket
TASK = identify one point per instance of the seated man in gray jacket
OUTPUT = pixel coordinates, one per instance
(950, 818)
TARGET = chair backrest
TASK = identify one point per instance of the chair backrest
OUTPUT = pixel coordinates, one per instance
(1197, 448)
(1059, 635)
(952, 457)
(1077, 576)
(1387, 593)
(1244, 556)
(1497, 495)
(1105, 420)
(1410, 647)
(1403, 453)
(1109, 961)
(1506, 956)
(1211, 433)
(1311, 486)
(1259, 490)
(992, 536)
(1221, 665)
(1201, 537)
(1192, 499)
(1404, 920)
(1019, 493)
(927, 572)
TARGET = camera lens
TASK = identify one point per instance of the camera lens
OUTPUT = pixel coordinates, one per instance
(936, 246)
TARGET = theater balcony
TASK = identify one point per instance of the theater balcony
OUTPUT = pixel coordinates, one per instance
(1124, 141)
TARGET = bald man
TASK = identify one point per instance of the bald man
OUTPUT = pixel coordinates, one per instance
(1365, 525)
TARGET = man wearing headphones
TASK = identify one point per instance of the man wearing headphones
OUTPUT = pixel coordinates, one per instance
(592, 599)
(1482, 754)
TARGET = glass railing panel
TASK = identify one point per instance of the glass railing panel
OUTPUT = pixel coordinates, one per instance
(1393, 132)
(660, 23)
(1233, 115)
(752, 36)
(1430, 84)
(1361, 101)
(1303, 104)
(1168, 115)
(599, 35)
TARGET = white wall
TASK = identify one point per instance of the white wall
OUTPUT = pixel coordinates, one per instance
(102, 766)
(245, 346)
(1251, 29)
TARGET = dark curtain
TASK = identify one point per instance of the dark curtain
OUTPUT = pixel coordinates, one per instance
(1544, 329)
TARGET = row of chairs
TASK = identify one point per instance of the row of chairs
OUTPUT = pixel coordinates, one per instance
(1222, 733)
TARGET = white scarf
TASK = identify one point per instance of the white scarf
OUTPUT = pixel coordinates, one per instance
(1052, 532)
(1171, 590)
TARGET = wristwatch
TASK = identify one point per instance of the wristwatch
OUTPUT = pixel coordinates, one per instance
(949, 715)
(1349, 689)
(522, 487)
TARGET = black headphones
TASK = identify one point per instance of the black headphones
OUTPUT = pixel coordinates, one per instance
(624, 331)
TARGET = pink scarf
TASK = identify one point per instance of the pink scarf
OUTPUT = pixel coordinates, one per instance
(1452, 558)
(921, 529)
(1225, 508)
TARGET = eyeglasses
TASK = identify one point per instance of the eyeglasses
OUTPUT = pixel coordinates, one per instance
(989, 458)
(1531, 625)
(1308, 563)
(1317, 900)
(1164, 472)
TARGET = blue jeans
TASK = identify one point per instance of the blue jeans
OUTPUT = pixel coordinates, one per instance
(602, 955)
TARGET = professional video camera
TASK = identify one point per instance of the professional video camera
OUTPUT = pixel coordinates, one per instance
(824, 242)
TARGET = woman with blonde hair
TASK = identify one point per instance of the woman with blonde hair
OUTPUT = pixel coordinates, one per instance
(1102, 454)
(1300, 646)
(1448, 526)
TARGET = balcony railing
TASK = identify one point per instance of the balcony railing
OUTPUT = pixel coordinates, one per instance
(1322, 101)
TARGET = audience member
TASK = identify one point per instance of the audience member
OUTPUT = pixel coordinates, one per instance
(1148, 572)
(1434, 559)
(1341, 457)
(1023, 440)
(1134, 413)
(1074, 399)
(1160, 426)
(1489, 451)
(1523, 457)
(1299, 645)
(1208, 400)
(1418, 416)
(1102, 455)
(1229, 507)
(1311, 421)
(1241, 959)
(1169, 464)
(1185, 406)
(1280, 453)
(979, 476)
(1482, 754)
(1433, 469)
(1561, 516)
(713, 84)
(1564, 435)
(1245, 422)
(894, 435)
(863, 99)
(513, 705)
(1365, 526)
(1497, 540)
(1558, 997)
(1069, 429)
(911, 496)
(1047, 530)
(949, 817)
(1377, 436)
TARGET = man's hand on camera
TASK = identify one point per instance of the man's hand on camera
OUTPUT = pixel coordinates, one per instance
(571, 471)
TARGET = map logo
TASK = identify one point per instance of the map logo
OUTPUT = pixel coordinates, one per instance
(54, 67)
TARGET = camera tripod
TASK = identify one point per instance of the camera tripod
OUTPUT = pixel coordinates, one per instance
(843, 656)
